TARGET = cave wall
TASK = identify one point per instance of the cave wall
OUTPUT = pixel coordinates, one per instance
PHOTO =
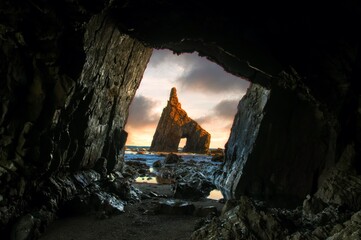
(55, 105)
(281, 141)
(112, 72)
(68, 76)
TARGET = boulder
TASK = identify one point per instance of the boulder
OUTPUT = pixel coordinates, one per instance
(157, 164)
(193, 186)
(218, 157)
(172, 158)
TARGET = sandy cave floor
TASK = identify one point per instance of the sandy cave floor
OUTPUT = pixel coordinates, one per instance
(136, 223)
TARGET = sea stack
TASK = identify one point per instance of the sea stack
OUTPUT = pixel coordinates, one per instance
(174, 124)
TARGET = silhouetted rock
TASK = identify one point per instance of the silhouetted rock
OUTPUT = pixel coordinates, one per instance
(219, 157)
(70, 69)
(191, 185)
(157, 164)
(175, 124)
(172, 158)
(277, 134)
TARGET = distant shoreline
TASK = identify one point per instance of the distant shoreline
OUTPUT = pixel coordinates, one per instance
(147, 147)
(132, 149)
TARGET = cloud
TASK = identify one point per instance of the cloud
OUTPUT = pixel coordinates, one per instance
(226, 109)
(141, 112)
(211, 78)
(221, 114)
(165, 57)
(158, 57)
(203, 120)
(199, 74)
(203, 75)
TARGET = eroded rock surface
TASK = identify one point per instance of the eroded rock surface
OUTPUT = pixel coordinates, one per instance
(59, 113)
(66, 111)
(280, 141)
(333, 212)
(175, 124)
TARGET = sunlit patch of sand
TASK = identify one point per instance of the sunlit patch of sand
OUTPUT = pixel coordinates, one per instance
(215, 195)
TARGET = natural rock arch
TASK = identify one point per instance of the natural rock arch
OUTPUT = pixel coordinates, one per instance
(175, 124)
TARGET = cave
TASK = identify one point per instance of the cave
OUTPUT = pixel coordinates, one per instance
(69, 70)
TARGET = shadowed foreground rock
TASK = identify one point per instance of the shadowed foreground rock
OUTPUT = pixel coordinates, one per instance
(67, 118)
(276, 134)
(175, 124)
(333, 212)
(68, 71)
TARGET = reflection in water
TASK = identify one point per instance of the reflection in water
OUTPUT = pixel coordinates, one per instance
(146, 180)
(215, 195)
(155, 180)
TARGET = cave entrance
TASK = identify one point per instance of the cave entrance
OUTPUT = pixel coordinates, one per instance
(205, 91)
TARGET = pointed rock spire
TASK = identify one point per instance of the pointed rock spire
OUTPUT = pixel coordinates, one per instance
(173, 98)
(175, 124)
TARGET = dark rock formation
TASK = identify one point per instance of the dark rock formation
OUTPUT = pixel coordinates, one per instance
(333, 212)
(65, 89)
(192, 186)
(175, 124)
(276, 134)
(68, 72)
(172, 158)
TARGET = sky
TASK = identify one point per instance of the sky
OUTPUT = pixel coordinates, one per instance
(206, 92)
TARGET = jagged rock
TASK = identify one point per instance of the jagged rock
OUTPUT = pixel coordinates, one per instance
(137, 168)
(64, 95)
(157, 164)
(349, 230)
(24, 228)
(107, 203)
(332, 213)
(192, 185)
(165, 175)
(246, 221)
(175, 124)
(219, 157)
(342, 185)
(277, 134)
(65, 104)
(172, 158)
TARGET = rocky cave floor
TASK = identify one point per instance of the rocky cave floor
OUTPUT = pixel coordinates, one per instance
(169, 202)
(139, 221)
(174, 203)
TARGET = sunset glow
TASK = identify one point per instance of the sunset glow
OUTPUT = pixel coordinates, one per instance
(207, 93)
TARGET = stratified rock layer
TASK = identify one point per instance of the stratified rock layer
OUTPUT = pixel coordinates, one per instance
(58, 119)
(280, 141)
(175, 124)
(50, 117)
(333, 212)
